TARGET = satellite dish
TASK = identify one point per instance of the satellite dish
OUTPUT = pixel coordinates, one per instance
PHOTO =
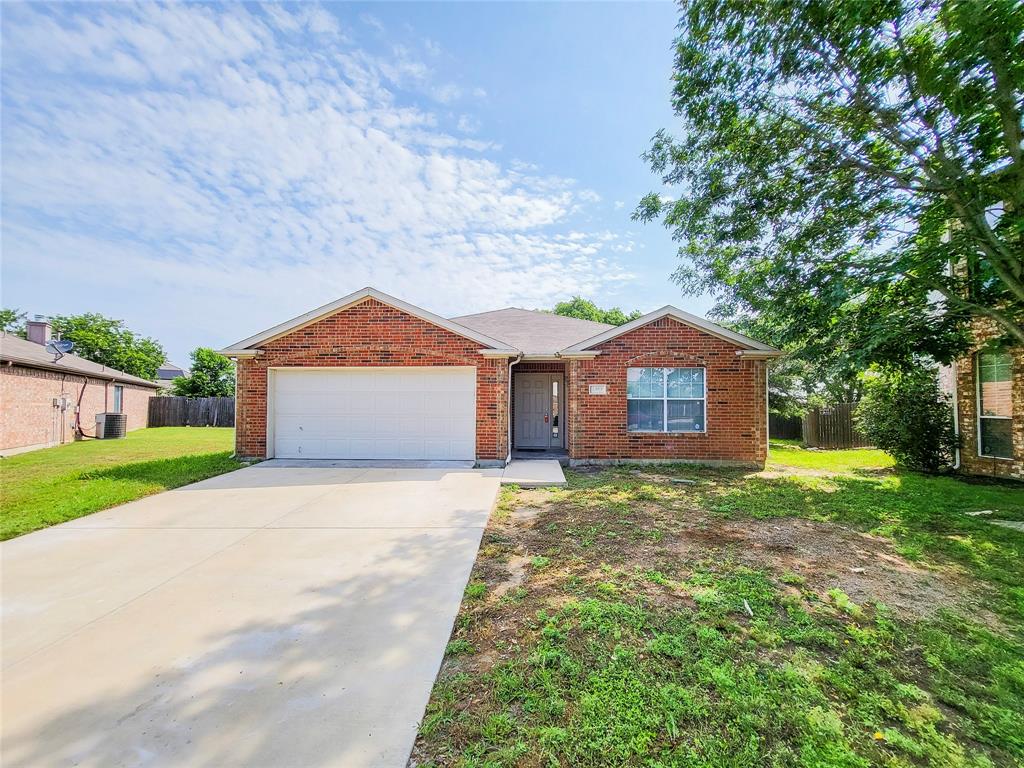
(60, 347)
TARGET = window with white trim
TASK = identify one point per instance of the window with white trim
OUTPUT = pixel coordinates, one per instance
(118, 398)
(665, 399)
(995, 406)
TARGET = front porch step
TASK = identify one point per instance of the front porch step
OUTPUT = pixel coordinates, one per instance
(561, 456)
(534, 473)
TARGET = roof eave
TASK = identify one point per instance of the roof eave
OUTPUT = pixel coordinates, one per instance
(238, 353)
(499, 352)
(587, 354)
(122, 378)
(760, 354)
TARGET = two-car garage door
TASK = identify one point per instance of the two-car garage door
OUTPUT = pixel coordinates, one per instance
(373, 413)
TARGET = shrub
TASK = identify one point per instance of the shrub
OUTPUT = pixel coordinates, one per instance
(905, 414)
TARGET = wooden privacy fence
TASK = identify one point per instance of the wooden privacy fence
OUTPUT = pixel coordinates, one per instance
(785, 427)
(191, 412)
(832, 427)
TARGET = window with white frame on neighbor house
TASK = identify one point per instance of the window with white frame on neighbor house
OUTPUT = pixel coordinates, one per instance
(118, 398)
(995, 404)
(665, 399)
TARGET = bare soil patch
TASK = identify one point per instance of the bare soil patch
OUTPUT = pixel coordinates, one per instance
(824, 555)
(829, 556)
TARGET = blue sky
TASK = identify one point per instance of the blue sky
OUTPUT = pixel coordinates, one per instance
(204, 172)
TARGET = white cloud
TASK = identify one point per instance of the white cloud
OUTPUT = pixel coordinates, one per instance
(619, 205)
(446, 93)
(468, 124)
(372, 21)
(206, 173)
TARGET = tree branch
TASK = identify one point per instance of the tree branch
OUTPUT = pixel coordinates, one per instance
(1002, 318)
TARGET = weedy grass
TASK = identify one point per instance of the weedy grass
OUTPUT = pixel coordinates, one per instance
(627, 649)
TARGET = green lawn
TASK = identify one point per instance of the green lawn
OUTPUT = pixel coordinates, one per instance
(50, 486)
(830, 611)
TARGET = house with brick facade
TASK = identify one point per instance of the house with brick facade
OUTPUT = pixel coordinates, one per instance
(370, 376)
(987, 388)
(42, 393)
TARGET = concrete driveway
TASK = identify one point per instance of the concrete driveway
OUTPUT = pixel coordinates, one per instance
(274, 616)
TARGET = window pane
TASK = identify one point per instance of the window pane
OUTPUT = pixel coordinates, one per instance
(686, 382)
(645, 415)
(994, 366)
(685, 415)
(554, 408)
(995, 384)
(997, 438)
(645, 382)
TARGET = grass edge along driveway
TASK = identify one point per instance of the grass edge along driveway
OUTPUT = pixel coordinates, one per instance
(831, 611)
(53, 485)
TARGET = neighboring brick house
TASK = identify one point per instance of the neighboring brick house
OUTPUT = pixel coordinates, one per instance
(39, 395)
(988, 387)
(372, 377)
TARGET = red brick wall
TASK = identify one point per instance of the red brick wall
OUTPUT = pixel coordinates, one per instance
(735, 415)
(27, 415)
(971, 463)
(371, 333)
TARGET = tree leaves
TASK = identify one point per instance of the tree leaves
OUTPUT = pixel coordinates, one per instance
(212, 375)
(837, 157)
(108, 342)
(584, 309)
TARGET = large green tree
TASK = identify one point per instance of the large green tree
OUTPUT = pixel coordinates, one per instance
(108, 342)
(212, 375)
(836, 157)
(584, 309)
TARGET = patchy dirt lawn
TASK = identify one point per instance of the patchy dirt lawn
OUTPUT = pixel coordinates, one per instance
(830, 611)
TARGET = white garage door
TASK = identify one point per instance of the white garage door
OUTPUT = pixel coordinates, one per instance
(374, 413)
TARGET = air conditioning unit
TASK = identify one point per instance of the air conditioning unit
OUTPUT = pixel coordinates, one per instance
(110, 426)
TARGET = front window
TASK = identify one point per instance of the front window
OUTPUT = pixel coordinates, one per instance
(665, 399)
(118, 398)
(995, 409)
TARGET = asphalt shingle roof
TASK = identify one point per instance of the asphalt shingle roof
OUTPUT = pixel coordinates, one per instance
(28, 353)
(531, 331)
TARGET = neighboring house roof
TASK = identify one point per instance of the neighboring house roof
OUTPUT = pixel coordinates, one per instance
(20, 352)
(169, 371)
(511, 331)
(531, 331)
(27, 353)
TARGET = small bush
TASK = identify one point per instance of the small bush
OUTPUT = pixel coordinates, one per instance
(905, 414)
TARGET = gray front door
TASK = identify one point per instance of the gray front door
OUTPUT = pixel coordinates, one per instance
(538, 407)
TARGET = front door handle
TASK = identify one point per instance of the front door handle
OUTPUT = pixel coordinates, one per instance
(545, 418)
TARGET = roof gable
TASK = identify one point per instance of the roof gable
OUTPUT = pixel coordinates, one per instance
(745, 343)
(246, 346)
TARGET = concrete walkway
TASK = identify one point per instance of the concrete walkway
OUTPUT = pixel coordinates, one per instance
(274, 616)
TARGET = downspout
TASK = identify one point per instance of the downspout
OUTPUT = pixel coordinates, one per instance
(508, 408)
(767, 415)
(956, 420)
